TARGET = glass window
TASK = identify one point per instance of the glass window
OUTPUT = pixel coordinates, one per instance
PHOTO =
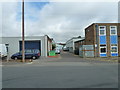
(102, 30)
(28, 51)
(113, 30)
(114, 49)
(103, 50)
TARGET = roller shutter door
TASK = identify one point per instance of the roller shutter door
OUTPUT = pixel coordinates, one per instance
(31, 45)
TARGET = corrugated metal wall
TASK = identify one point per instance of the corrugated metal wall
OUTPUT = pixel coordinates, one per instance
(86, 51)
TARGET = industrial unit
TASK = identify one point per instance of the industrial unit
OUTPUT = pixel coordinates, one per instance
(70, 44)
(43, 43)
(78, 44)
(105, 37)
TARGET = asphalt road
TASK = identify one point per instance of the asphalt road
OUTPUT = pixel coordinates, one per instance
(66, 71)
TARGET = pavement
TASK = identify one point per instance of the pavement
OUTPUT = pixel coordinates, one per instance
(64, 57)
(65, 71)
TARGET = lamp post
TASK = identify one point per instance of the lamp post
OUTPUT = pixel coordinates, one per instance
(23, 42)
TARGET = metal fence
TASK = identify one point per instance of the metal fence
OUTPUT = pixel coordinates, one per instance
(86, 51)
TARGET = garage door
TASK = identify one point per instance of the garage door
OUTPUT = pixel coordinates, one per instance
(31, 45)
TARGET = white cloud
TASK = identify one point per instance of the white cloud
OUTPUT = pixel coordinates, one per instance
(60, 0)
(10, 27)
(61, 20)
(0, 19)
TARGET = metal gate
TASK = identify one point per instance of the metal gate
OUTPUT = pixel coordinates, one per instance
(31, 45)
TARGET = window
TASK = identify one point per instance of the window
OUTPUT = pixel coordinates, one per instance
(113, 30)
(114, 49)
(102, 30)
(103, 49)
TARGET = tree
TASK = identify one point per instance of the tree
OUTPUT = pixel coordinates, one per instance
(53, 46)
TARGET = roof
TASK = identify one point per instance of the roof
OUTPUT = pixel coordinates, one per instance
(79, 37)
(100, 23)
(79, 41)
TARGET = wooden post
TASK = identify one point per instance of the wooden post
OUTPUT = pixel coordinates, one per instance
(23, 42)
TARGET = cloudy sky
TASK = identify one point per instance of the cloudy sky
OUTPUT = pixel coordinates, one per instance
(59, 20)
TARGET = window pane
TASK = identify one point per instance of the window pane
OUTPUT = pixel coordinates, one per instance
(28, 51)
(114, 49)
(113, 32)
(103, 50)
(112, 28)
(102, 28)
(101, 32)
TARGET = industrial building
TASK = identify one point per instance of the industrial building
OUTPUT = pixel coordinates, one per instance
(78, 44)
(119, 39)
(70, 44)
(43, 43)
(105, 37)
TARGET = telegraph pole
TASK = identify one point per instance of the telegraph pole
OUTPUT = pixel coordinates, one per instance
(23, 41)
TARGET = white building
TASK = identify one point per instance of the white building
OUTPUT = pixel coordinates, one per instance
(43, 43)
(70, 43)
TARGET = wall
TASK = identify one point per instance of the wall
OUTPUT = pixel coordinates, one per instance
(14, 44)
(77, 45)
(108, 37)
(92, 37)
(89, 35)
(71, 44)
(119, 39)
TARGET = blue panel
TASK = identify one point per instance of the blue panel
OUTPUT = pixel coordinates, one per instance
(31, 45)
(113, 39)
(102, 39)
(103, 55)
(114, 54)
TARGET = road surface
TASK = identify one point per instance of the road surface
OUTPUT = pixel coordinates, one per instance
(65, 71)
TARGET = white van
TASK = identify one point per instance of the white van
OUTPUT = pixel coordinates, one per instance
(3, 51)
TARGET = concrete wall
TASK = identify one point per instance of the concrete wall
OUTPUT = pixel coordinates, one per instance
(14, 43)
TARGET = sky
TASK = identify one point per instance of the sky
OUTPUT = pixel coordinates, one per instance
(58, 20)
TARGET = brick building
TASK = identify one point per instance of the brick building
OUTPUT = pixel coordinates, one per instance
(119, 39)
(105, 37)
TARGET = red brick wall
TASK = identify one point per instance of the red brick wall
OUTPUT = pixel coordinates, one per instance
(89, 35)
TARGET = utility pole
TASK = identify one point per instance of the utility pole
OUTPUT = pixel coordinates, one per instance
(23, 41)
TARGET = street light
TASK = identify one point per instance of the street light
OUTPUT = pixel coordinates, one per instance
(23, 42)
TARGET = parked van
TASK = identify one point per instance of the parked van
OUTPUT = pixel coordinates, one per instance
(3, 51)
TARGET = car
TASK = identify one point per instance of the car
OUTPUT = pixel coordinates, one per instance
(65, 48)
(57, 51)
(29, 54)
